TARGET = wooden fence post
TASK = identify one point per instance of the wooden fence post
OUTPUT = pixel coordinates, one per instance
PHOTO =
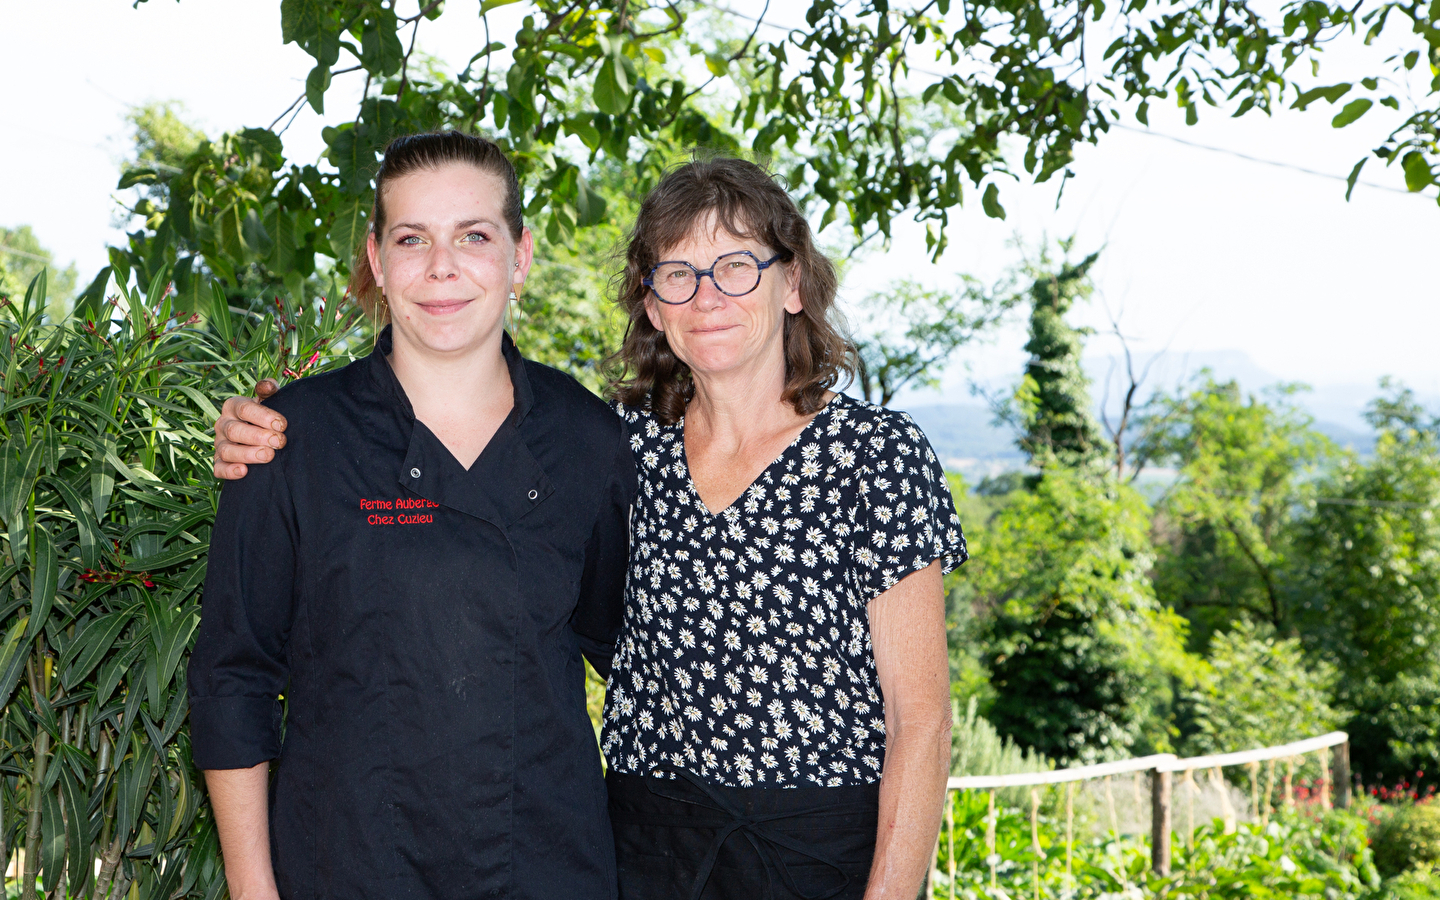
(1327, 789)
(1340, 763)
(991, 858)
(950, 797)
(1035, 840)
(1160, 822)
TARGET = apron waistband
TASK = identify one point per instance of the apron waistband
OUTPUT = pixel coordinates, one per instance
(765, 840)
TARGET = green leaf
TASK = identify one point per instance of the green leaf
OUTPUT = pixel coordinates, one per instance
(380, 50)
(488, 5)
(1352, 111)
(102, 481)
(174, 641)
(612, 87)
(1354, 176)
(1331, 93)
(316, 84)
(581, 127)
(134, 785)
(991, 202)
(133, 177)
(91, 646)
(43, 579)
(88, 529)
(589, 204)
(52, 840)
(348, 229)
(256, 238)
(1417, 171)
(301, 20)
(18, 468)
(77, 832)
(16, 651)
(113, 670)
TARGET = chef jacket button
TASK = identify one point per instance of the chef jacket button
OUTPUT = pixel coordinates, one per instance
(414, 473)
(533, 494)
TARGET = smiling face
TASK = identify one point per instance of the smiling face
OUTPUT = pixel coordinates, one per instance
(445, 260)
(716, 334)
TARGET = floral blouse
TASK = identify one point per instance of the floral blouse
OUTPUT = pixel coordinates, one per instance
(745, 655)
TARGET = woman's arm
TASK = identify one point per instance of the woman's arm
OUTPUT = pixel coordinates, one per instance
(907, 632)
(238, 797)
(247, 432)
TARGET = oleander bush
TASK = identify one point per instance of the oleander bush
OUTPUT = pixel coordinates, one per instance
(107, 499)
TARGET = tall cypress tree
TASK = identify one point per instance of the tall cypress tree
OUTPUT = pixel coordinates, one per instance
(1066, 561)
(1054, 398)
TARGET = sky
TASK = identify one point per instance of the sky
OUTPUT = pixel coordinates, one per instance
(1202, 251)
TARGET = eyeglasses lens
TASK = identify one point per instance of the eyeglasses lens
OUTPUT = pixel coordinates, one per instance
(735, 275)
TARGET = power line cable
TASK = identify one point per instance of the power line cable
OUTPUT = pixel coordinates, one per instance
(1256, 159)
(28, 255)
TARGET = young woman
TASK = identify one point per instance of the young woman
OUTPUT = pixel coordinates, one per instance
(778, 716)
(395, 607)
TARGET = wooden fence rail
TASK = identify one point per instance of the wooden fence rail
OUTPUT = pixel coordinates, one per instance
(1335, 773)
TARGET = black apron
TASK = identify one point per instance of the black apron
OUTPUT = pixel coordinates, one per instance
(682, 838)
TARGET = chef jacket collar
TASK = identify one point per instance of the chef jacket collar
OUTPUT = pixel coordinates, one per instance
(504, 484)
(380, 368)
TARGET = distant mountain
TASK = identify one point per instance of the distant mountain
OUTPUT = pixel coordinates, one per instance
(966, 439)
(1338, 408)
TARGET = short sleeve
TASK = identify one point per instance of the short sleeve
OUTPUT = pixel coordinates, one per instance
(600, 609)
(240, 667)
(906, 516)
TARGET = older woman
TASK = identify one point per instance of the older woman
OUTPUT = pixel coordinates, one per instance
(778, 720)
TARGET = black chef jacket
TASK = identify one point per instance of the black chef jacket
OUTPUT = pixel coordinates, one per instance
(424, 624)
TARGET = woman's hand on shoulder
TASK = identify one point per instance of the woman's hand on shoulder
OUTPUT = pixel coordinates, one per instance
(247, 433)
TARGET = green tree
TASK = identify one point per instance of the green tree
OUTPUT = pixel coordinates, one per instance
(1082, 659)
(1052, 406)
(1367, 583)
(842, 104)
(1257, 690)
(162, 142)
(22, 257)
(1244, 463)
(906, 334)
(1079, 652)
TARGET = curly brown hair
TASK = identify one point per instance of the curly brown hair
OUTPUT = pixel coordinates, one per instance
(744, 200)
(431, 150)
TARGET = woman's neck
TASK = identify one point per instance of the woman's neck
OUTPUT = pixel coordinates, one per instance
(462, 397)
(735, 409)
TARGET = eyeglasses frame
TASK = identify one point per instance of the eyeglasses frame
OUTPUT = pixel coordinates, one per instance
(761, 265)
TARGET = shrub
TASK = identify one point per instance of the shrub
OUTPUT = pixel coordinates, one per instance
(107, 500)
(1419, 883)
(1258, 691)
(1407, 838)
